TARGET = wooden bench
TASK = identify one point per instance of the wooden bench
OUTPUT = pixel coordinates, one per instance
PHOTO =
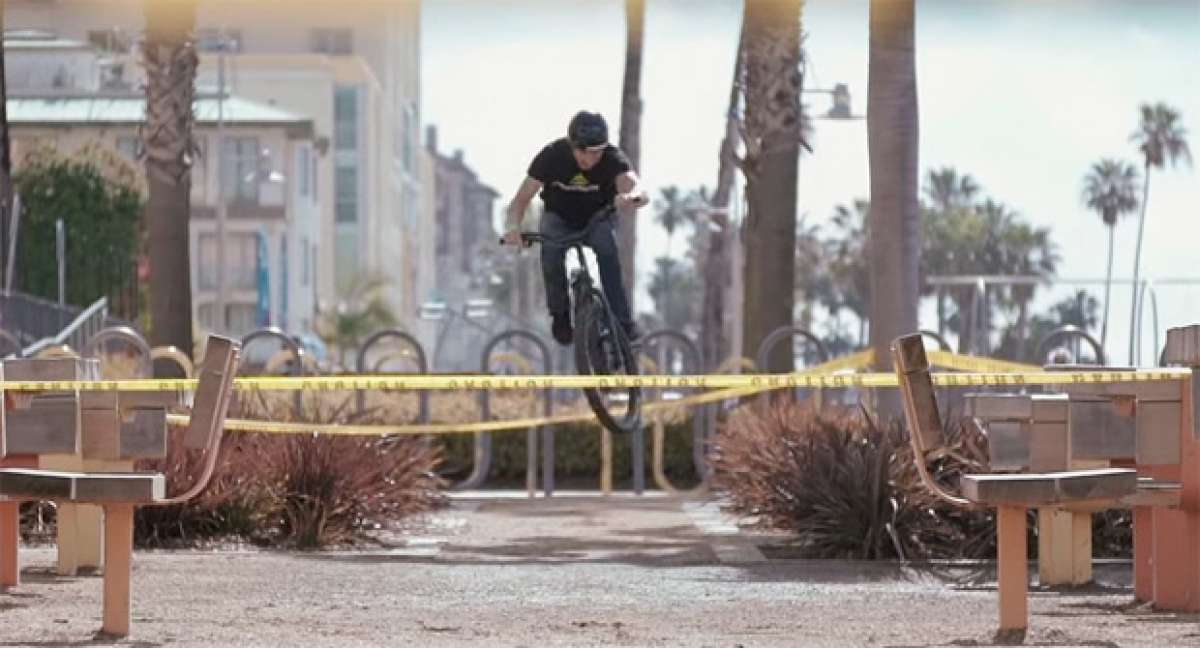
(43, 434)
(124, 425)
(1062, 432)
(1010, 494)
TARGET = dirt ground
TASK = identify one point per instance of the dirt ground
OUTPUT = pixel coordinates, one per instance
(575, 570)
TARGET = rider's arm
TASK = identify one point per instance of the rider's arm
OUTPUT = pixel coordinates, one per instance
(520, 202)
(629, 191)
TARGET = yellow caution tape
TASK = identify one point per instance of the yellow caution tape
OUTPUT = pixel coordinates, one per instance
(270, 427)
(701, 381)
(974, 363)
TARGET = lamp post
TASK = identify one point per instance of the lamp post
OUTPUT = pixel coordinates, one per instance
(841, 107)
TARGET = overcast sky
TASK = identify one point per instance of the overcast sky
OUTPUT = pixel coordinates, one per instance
(1022, 94)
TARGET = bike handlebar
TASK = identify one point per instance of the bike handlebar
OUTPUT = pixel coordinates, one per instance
(529, 238)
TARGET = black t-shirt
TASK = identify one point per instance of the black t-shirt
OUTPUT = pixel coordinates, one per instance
(571, 192)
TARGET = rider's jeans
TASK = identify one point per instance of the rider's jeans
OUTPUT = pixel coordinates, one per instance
(603, 242)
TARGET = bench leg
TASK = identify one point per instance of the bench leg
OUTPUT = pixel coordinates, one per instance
(10, 537)
(1012, 568)
(68, 538)
(1176, 560)
(89, 530)
(1143, 554)
(1064, 547)
(118, 567)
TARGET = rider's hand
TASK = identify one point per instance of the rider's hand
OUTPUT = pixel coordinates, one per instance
(624, 201)
(512, 236)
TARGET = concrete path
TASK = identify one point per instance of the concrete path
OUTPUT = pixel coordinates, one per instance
(575, 570)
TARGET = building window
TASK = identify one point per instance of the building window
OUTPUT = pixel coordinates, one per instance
(109, 40)
(305, 261)
(243, 318)
(346, 188)
(128, 145)
(315, 177)
(240, 167)
(207, 263)
(214, 40)
(241, 261)
(302, 167)
(408, 146)
(345, 118)
(206, 316)
(337, 42)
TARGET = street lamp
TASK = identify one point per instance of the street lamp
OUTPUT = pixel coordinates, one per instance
(840, 93)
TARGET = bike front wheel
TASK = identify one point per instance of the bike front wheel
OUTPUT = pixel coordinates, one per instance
(603, 349)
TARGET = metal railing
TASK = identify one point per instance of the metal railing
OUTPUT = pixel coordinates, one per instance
(37, 323)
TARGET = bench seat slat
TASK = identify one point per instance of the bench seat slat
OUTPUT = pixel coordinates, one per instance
(1032, 489)
(98, 488)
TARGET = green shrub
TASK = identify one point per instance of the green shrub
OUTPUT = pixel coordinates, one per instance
(576, 456)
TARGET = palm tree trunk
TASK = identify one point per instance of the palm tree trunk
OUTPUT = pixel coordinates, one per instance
(1137, 261)
(6, 188)
(771, 166)
(167, 137)
(1112, 232)
(892, 133)
(714, 338)
(631, 127)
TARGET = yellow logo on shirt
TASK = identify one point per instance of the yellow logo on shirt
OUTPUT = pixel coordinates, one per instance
(579, 180)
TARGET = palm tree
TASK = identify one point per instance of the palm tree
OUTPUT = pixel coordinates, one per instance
(893, 141)
(363, 312)
(849, 269)
(631, 127)
(171, 62)
(1162, 140)
(1110, 188)
(772, 135)
(946, 190)
(672, 211)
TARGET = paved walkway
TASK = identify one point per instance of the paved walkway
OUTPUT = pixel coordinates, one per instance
(575, 570)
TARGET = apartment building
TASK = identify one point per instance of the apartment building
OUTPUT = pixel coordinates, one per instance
(351, 67)
(58, 97)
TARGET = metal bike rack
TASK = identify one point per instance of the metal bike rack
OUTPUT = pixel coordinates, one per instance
(780, 334)
(691, 365)
(126, 334)
(788, 332)
(943, 345)
(173, 354)
(1067, 332)
(422, 367)
(289, 344)
(483, 440)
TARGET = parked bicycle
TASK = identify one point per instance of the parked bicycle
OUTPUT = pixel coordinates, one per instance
(602, 347)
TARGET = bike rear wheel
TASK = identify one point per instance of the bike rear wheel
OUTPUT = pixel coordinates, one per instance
(603, 349)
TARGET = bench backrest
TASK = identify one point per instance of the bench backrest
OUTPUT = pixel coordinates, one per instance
(211, 400)
(916, 388)
(920, 409)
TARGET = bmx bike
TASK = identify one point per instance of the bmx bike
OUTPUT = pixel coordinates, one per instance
(602, 348)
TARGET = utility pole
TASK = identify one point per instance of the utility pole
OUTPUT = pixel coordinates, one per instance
(221, 317)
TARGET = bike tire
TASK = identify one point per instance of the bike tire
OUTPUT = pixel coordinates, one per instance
(590, 315)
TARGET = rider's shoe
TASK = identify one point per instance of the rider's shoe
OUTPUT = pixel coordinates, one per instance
(632, 331)
(560, 328)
